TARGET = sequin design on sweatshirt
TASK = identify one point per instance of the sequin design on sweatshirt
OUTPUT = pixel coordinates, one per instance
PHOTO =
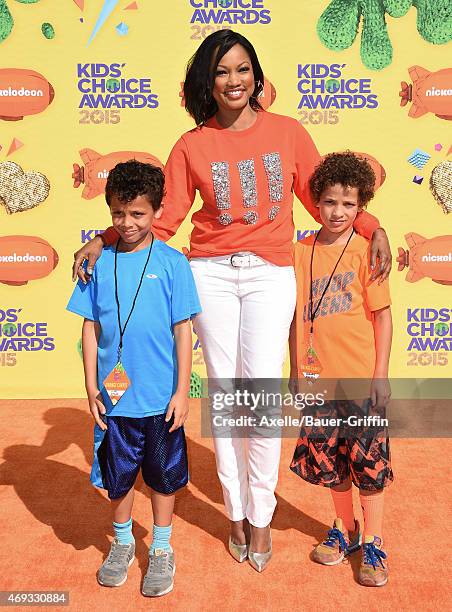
(251, 217)
(273, 168)
(221, 184)
(225, 218)
(274, 210)
(248, 182)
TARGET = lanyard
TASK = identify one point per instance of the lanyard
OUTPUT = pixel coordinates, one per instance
(313, 313)
(123, 329)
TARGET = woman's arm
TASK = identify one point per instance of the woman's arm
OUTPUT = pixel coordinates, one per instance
(307, 158)
(179, 196)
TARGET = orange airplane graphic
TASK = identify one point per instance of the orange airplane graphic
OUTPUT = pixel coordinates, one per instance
(23, 92)
(431, 92)
(427, 258)
(97, 167)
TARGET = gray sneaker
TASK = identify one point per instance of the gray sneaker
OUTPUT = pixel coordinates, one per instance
(159, 577)
(113, 571)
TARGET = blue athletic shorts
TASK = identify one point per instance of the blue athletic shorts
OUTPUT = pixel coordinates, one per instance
(131, 443)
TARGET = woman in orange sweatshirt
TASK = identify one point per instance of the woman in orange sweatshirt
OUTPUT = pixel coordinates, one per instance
(246, 165)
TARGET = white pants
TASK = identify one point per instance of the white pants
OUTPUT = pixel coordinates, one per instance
(243, 330)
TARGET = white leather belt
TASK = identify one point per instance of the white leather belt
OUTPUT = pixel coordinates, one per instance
(240, 260)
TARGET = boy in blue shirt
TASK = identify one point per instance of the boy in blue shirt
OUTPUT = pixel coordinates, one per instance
(137, 349)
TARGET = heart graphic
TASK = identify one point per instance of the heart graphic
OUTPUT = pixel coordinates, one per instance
(21, 190)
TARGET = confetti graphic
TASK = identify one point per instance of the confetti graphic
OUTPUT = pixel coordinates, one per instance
(418, 158)
(132, 7)
(106, 11)
(14, 146)
(80, 4)
(418, 179)
(122, 28)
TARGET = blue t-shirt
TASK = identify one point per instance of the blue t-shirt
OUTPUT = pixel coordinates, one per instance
(167, 295)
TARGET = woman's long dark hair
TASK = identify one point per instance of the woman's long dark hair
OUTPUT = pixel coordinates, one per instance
(199, 78)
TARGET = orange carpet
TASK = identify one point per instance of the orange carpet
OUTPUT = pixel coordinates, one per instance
(57, 527)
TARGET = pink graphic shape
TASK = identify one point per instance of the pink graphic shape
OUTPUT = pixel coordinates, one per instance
(80, 4)
(131, 7)
(16, 144)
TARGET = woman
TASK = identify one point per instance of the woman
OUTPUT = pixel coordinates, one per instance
(246, 164)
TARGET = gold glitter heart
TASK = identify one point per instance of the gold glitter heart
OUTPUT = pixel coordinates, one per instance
(441, 185)
(21, 190)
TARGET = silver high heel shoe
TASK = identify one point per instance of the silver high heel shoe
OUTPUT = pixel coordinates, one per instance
(238, 551)
(259, 561)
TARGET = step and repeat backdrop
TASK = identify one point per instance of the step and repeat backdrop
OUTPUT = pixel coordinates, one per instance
(85, 84)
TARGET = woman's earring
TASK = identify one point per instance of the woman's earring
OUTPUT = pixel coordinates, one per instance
(258, 87)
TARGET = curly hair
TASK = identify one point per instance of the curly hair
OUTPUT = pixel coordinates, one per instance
(348, 170)
(200, 75)
(131, 179)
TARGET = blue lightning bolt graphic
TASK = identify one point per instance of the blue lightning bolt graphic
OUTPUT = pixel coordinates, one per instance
(107, 9)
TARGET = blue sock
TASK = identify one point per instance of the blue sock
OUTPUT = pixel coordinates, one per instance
(161, 538)
(123, 532)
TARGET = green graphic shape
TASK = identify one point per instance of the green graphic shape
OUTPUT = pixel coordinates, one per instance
(6, 19)
(339, 24)
(441, 329)
(48, 30)
(332, 85)
(113, 85)
(196, 386)
(79, 348)
(9, 329)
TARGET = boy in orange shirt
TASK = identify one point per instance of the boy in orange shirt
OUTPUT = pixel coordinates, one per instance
(342, 329)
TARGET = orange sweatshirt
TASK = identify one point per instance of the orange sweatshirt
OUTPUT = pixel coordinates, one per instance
(246, 180)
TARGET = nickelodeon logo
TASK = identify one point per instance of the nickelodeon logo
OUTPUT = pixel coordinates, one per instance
(441, 258)
(15, 258)
(25, 258)
(438, 92)
(23, 92)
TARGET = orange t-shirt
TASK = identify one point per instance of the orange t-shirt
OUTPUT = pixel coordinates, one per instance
(246, 180)
(343, 331)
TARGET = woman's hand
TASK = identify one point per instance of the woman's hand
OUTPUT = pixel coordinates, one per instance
(91, 251)
(380, 251)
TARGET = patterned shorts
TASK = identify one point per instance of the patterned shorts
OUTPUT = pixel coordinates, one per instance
(327, 454)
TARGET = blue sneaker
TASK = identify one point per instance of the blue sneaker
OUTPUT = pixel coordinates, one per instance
(373, 570)
(338, 544)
